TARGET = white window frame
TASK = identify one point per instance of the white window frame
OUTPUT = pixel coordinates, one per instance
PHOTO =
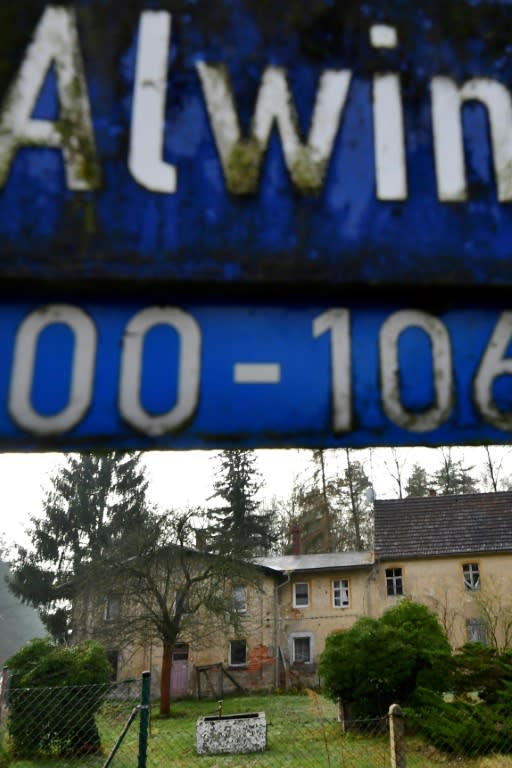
(476, 631)
(471, 576)
(396, 576)
(237, 663)
(340, 593)
(295, 585)
(239, 599)
(301, 636)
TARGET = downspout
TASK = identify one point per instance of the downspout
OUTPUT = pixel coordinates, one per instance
(277, 625)
(372, 577)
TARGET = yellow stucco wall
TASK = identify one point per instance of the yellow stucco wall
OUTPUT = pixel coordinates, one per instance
(439, 584)
(210, 647)
(321, 617)
(273, 619)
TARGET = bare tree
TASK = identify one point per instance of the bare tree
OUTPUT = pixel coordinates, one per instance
(395, 467)
(495, 607)
(168, 591)
(355, 507)
(492, 475)
(325, 505)
(446, 602)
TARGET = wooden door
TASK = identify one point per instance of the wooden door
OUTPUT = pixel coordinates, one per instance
(179, 671)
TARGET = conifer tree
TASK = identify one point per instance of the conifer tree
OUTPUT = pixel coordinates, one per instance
(94, 499)
(417, 484)
(237, 524)
(453, 478)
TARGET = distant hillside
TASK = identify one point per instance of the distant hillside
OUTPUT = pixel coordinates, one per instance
(18, 623)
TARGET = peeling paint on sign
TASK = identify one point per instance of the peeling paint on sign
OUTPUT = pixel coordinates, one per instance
(334, 143)
(196, 375)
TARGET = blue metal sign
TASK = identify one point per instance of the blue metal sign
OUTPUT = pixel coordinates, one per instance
(235, 141)
(229, 150)
(79, 375)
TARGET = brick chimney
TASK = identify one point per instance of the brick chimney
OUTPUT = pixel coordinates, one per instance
(295, 535)
(432, 492)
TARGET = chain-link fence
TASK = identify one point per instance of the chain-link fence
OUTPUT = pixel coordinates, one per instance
(69, 725)
(463, 738)
(115, 726)
(299, 730)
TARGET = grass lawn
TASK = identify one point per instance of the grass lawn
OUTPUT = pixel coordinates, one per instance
(302, 732)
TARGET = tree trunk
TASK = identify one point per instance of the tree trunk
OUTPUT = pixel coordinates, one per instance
(165, 680)
(493, 477)
(353, 502)
(326, 517)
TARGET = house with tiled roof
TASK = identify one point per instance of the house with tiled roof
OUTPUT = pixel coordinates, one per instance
(453, 553)
(285, 617)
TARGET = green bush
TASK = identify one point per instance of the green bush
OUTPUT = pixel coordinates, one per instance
(460, 727)
(49, 711)
(477, 720)
(479, 668)
(379, 662)
(4, 754)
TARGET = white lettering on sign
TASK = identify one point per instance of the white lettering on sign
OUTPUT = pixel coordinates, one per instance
(20, 404)
(257, 373)
(337, 321)
(55, 43)
(306, 163)
(189, 370)
(389, 140)
(148, 114)
(30, 363)
(494, 364)
(388, 124)
(394, 326)
(447, 100)
(241, 156)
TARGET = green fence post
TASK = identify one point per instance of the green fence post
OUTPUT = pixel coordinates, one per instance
(144, 720)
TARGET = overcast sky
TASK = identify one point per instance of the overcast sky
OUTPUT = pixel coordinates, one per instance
(178, 479)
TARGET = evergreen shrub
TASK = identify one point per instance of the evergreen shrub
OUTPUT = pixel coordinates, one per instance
(379, 662)
(460, 727)
(49, 711)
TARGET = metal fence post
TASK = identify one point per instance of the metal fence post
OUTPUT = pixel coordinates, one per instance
(397, 737)
(144, 720)
(4, 685)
